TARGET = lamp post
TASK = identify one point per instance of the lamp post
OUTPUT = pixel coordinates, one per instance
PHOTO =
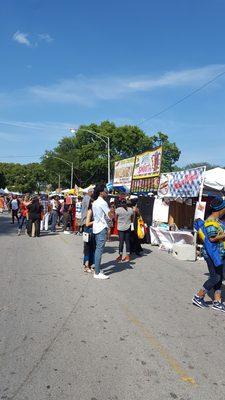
(104, 139)
(70, 163)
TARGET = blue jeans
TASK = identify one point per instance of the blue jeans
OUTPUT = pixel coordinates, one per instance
(215, 276)
(54, 220)
(22, 220)
(100, 239)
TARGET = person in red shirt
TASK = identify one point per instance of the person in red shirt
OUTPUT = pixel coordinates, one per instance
(23, 213)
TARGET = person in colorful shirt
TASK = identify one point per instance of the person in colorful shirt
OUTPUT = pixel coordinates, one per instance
(23, 214)
(2, 202)
(214, 230)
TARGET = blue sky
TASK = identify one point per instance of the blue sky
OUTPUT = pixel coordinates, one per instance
(65, 63)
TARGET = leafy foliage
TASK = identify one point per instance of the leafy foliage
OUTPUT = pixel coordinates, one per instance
(2, 180)
(23, 178)
(200, 164)
(89, 153)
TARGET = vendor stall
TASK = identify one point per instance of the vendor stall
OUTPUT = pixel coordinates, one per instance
(181, 190)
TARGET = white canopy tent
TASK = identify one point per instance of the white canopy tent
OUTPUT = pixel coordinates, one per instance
(91, 187)
(215, 179)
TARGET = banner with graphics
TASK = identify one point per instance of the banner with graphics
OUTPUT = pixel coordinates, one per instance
(145, 185)
(148, 164)
(182, 183)
(123, 172)
(146, 171)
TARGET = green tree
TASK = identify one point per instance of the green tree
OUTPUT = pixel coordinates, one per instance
(200, 164)
(24, 178)
(2, 180)
(171, 153)
(89, 154)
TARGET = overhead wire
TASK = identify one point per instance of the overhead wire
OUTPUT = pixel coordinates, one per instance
(193, 92)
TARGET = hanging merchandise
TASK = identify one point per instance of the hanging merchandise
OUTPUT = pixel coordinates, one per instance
(145, 205)
(200, 210)
(160, 211)
(140, 228)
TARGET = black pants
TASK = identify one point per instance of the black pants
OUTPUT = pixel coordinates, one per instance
(14, 215)
(37, 226)
(135, 243)
(215, 276)
(124, 236)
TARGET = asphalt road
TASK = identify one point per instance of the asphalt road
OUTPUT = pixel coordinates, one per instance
(136, 336)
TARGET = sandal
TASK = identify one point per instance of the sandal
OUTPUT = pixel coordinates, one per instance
(87, 269)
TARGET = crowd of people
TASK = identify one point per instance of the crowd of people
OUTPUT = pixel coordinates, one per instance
(37, 212)
(94, 216)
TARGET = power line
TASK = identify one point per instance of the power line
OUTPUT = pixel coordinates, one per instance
(183, 98)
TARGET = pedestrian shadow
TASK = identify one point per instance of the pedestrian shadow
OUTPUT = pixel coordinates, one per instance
(6, 228)
(113, 268)
(146, 251)
(142, 254)
(110, 250)
(48, 234)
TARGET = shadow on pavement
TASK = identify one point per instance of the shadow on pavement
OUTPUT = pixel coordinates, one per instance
(6, 228)
(110, 250)
(113, 268)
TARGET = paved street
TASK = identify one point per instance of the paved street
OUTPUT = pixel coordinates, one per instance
(135, 336)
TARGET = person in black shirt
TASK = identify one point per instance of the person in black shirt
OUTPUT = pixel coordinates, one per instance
(34, 216)
(66, 216)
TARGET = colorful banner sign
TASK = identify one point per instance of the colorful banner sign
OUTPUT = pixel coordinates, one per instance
(147, 165)
(123, 172)
(182, 183)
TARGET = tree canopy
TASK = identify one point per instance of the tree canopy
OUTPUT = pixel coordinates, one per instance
(89, 156)
(2, 180)
(89, 153)
(200, 164)
(23, 177)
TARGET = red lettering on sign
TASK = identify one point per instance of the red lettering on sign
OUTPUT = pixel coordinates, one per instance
(187, 179)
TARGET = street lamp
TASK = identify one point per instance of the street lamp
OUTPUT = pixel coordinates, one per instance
(70, 163)
(106, 140)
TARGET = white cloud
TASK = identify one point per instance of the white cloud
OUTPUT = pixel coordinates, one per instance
(21, 38)
(86, 91)
(45, 37)
(89, 91)
(179, 78)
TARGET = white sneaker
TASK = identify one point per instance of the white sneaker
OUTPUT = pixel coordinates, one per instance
(66, 232)
(100, 276)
